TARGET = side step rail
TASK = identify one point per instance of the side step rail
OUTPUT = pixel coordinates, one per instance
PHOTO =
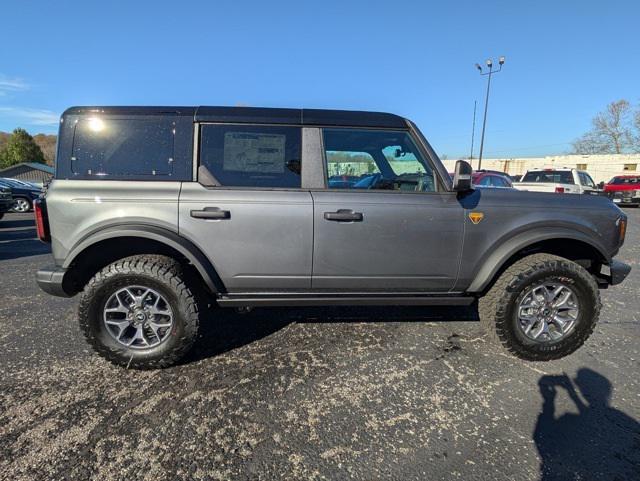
(333, 299)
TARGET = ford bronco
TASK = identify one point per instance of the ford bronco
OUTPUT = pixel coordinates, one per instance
(154, 210)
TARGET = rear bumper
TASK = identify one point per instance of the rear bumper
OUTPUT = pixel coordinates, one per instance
(624, 197)
(50, 281)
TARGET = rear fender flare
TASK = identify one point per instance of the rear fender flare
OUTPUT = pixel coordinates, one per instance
(159, 234)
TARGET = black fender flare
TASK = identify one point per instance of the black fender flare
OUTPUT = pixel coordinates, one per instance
(159, 234)
(507, 248)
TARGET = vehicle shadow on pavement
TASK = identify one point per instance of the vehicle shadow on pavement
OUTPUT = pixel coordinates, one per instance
(12, 224)
(15, 249)
(16, 240)
(600, 442)
(224, 329)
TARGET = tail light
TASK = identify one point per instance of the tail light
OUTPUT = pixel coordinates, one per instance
(42, 220)
(559, 190)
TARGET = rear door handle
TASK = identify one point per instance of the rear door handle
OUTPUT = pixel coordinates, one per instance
(344, 215)
(211, 213)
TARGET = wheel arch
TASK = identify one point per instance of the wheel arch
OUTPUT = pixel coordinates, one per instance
(570, 244)
(100, 248)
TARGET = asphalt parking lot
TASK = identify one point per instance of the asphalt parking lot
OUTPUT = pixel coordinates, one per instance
(349, 393)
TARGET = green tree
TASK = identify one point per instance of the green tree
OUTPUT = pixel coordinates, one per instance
(20, 147)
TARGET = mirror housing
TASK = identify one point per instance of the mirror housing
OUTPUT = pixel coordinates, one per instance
(462, 181)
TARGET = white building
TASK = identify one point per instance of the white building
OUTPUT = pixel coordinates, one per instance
(600, 167)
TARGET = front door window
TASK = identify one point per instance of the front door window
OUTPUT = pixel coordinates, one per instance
(376, 160)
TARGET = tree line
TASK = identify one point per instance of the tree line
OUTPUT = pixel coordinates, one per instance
(19, 146)
(616, 130)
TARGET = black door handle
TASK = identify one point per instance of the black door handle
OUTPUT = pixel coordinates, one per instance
(344, 215)
(211, 213)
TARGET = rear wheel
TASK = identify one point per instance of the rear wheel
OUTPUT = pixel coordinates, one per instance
(138, 312)
(543, 307)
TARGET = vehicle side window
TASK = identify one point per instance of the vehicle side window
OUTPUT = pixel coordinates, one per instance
(376, 160)
(586, 179)
(122, 147)
(549, 176)
(496, 181)
(251, 155)
(485, 181)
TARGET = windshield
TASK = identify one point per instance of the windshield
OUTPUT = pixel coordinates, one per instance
(625, 180)
(549, 176)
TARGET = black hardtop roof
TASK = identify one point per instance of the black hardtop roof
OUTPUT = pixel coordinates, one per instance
(350, 118)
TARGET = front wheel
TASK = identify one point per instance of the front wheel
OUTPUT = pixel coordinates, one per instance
(543, 307)
(20, 204)
(138, 312)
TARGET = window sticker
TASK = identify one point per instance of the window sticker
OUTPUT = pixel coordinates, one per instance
(254, 152)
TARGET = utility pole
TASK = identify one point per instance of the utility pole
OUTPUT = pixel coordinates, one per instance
(486, 100)
(473, 130)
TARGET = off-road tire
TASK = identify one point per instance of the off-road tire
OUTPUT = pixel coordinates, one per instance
(161, 273)
(497, 309)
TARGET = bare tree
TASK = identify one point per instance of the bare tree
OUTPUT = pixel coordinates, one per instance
(636, 136)
(611, 133)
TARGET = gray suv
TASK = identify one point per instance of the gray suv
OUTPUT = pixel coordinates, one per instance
(155, 210)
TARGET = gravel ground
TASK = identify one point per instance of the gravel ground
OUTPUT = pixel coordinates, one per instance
(323, 393)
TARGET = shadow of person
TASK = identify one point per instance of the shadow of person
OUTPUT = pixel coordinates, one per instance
(598, 443)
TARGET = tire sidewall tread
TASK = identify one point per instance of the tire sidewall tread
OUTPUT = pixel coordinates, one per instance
(497, 307)
(161, 273)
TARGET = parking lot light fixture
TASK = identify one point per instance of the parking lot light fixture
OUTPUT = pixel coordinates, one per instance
(486, 100)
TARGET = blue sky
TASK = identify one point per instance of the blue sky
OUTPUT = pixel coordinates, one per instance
(566, 59)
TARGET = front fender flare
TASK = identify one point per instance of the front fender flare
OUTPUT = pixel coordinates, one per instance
(159, 234)
(505, 250)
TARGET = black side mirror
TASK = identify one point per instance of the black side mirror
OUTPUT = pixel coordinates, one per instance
(462, 177)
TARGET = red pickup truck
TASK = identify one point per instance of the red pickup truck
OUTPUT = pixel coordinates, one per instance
(624, 189)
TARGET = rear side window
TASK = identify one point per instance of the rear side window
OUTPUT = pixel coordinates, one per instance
(123, 147)
(251, 155)
(485, 181)
(500, 182)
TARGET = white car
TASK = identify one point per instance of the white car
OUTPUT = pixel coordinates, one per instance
(561, 181)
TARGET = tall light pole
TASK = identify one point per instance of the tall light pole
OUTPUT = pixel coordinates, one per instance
(486, 100)
(473, 129)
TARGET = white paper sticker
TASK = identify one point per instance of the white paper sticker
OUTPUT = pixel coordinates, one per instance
(254, 152)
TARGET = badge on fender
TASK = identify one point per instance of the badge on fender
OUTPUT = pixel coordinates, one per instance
(476, 217)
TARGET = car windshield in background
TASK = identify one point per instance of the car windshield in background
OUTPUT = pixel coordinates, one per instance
(625, 180)
(549, 176)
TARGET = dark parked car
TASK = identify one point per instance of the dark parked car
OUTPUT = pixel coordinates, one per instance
(155, 211)
(6, 200)
(23, 194)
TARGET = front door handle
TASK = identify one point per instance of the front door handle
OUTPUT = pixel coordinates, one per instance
(211, 213)
(344, 215)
